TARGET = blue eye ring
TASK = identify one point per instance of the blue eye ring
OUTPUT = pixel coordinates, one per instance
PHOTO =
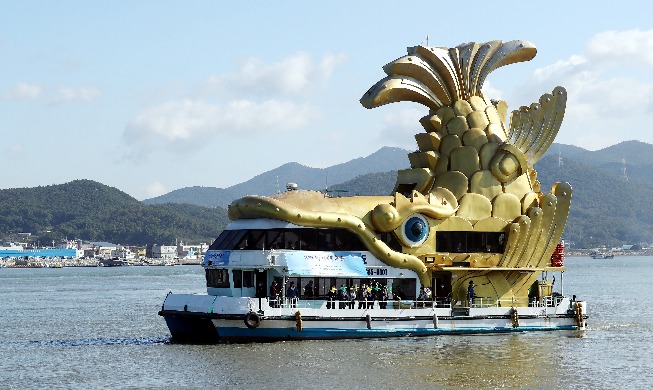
(414, 230)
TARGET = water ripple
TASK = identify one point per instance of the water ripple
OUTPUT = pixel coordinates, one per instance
(103, 341)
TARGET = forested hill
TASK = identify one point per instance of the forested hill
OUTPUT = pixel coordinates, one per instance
(87, 210)
(605, 209)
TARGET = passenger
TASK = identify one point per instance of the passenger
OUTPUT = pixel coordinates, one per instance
(343, 297)
(383, 299)
(292, 293)
(360, 295)
(470, 293)
(352, 297)
(274, 294)
(571, 303)
(421, 297)
(427, 296)
(398, 293)
(369, 297)
(308, 289)
(331, 298)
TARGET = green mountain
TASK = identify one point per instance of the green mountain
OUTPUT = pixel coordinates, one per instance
(275, 180)
(605, 209)
(87, 210)
(632, 159)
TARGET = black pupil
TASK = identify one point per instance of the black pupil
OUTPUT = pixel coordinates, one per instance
(417, 229)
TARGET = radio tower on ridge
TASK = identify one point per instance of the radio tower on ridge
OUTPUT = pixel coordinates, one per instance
(624, 175)
(559, 157)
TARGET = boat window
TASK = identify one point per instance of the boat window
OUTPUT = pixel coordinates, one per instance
(257, 238)
(274, 239)
(297, 239)
(231, 240)
(325, 238)
(469, 242)
(308, 240)
(217, 278)
(238, 278)
(391, 241)
(292, 239)
(404, 288)
(248, 279)
(223, 236)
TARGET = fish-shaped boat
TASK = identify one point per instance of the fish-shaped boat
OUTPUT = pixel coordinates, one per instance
(467, 242)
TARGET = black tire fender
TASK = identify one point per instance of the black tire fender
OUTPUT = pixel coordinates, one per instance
(252, 320)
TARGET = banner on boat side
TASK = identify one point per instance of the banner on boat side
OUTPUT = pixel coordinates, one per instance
(216, 258)
(348, 264)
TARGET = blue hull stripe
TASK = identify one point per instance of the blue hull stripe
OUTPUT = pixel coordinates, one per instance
(330, 333)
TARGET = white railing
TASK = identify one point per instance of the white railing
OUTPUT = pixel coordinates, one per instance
(477, 302)
(347, 305)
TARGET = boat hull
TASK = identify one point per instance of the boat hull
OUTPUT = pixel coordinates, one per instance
(276, 324)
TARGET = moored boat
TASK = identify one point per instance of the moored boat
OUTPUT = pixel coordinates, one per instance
(467, 243)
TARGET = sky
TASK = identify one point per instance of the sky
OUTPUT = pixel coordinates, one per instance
(152, 96)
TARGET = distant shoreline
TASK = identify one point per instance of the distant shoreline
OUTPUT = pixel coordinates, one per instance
(587, 252)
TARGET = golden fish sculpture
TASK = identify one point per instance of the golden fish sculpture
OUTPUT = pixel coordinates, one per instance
(470, 206)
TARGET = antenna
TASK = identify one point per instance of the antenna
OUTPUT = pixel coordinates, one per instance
(559, 157)
(624, 175)
(277, 183)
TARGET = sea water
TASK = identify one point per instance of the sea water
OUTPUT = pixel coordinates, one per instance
(87, 328)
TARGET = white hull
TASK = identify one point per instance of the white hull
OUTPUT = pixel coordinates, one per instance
(205, 318)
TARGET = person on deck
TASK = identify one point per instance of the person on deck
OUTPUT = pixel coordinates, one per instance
(331, 298)
(470, 293)
(361, 296)
(343, 297)
(308, 289)
(274, 294)
(292, 294)
(352, 297)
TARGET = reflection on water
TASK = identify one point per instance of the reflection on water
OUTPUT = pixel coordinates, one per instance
(99, 328)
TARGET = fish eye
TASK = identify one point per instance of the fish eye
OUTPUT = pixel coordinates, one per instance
(414, 230)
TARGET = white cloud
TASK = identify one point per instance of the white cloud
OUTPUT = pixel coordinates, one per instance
(634, 46)
(75, 94)
(193, 121)
(258, 98)
(490, 92)
(294, 75)
(610, 98)
(24, 91)
(155, 189)
(400, 127)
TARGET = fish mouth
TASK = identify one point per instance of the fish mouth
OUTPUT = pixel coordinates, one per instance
(362, 216)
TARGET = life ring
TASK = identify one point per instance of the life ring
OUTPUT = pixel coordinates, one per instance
(252, 320)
